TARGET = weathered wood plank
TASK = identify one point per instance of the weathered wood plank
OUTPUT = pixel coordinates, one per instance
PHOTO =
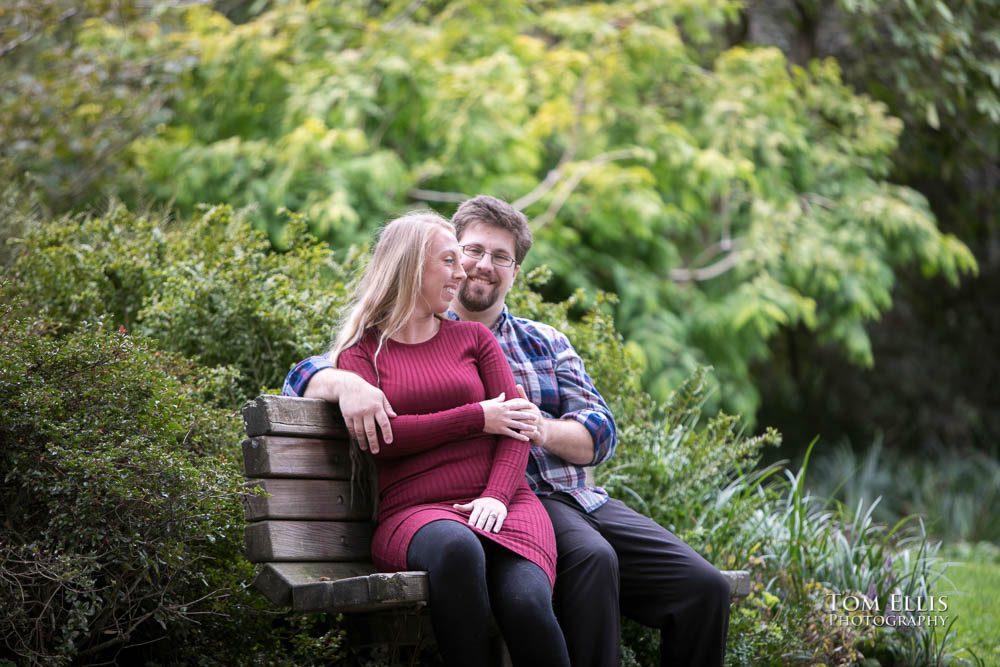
(303, 458)
(290, 416)
(350, 587)
(364, 593)
(739, 582)
(305, 500)
(268, 541)
(277, 580)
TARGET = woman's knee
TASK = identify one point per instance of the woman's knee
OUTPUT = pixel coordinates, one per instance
(446, 546)
(524, 591)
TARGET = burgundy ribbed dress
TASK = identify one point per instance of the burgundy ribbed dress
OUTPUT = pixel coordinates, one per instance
(439, 455)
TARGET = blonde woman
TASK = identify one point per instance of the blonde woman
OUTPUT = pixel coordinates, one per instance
(453, 500)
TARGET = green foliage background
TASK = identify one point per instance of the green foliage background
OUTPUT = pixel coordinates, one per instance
(724, 194)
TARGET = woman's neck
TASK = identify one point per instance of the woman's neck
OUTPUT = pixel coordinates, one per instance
(418, 329)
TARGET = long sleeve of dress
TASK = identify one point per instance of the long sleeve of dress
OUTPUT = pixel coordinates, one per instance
(511, 457)
(417, 433)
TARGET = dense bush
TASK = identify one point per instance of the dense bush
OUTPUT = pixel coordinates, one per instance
(178, 319)
(119, 502)
(120, 515)
(209, 289)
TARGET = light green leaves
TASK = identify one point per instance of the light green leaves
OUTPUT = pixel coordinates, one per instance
(724, 194)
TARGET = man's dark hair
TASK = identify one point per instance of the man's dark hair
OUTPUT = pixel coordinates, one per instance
(496, 213)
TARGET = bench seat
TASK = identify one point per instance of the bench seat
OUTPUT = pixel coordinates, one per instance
(310, 524)
(340, 587)
(357, 587)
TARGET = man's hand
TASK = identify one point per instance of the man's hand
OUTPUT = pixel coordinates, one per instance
(485, 513)
(363, 406)
(566, 438)
(514, 418)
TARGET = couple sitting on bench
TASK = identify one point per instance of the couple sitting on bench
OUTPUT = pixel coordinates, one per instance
(481, 425)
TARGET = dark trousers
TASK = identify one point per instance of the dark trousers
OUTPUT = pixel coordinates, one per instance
(472, 579)
(616, 561)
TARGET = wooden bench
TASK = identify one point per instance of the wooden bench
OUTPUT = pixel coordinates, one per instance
(310, 525)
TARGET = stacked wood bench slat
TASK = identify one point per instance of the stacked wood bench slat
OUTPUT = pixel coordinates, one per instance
(306, 524)
(310, 527)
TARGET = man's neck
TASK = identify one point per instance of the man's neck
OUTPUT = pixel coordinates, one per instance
(487, 317)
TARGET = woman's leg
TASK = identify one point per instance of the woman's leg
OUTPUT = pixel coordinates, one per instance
(522, 601)
(460, 604)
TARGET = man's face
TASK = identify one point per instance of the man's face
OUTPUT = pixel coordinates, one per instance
(487, 283)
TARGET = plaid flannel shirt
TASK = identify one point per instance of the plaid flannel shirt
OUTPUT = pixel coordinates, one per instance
(553, 376)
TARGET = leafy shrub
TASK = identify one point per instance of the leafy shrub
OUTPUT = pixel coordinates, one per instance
(225, 299)
(119, 502)
(210, 289)
(810, 544)
(85, 270)
(19, 208)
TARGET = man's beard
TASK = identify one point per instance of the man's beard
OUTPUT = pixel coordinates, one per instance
(483, 298)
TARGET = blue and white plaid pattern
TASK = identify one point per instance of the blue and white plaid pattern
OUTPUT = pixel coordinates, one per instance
(553, 376)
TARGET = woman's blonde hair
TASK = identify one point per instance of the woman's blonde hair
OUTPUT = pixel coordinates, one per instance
(387, 294)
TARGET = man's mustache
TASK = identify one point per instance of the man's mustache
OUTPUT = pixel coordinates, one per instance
(481, 276)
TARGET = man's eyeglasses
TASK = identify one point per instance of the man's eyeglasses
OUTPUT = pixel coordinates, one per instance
(477, 252)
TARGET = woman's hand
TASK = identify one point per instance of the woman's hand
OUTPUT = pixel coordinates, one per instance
(516, 418)
(485, 513)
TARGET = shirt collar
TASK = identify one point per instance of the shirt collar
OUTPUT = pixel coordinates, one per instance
(495, 327)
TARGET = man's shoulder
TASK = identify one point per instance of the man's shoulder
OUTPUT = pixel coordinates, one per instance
(538, 329)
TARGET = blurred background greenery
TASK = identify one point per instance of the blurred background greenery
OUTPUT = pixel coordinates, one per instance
(800, 195)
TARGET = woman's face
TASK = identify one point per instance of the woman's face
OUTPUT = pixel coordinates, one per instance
(443, 273)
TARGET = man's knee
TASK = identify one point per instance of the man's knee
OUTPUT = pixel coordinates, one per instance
(589, 572)
(595, 557)
(602, 558)
(710, 588)
(717, 588)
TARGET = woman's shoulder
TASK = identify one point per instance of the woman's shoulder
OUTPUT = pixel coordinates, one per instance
(365, 344)
(464, 328)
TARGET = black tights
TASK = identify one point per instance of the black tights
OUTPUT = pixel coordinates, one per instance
(469, 578)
